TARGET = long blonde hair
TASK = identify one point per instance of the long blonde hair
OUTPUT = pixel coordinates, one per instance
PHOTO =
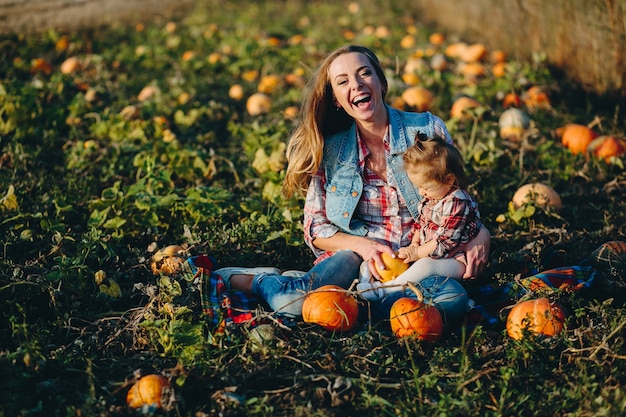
(318, 118)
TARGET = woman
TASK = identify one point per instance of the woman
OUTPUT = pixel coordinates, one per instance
(346, 153)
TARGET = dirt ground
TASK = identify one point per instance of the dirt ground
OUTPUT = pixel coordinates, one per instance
(41, 15)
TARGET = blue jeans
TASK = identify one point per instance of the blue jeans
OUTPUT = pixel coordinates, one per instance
(284, 294)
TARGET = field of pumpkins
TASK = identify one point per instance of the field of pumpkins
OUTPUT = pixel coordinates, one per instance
(135, 156)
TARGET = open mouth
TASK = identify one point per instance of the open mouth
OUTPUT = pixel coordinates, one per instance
(362, 99)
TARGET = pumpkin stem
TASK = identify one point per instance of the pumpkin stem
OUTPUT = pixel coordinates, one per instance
(418, 293)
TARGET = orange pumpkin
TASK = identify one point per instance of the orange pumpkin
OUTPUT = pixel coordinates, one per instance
(393, 267)
(607, 147)
(536, 98)
(418, 97)
(473, 53)
(258, 104)
(413, 317)
(511, 100)
(538, 316)
(147, 391)
(462, 105)
(576, 137)
(332, 308)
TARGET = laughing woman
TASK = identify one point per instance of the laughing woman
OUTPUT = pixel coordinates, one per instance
(346, 157)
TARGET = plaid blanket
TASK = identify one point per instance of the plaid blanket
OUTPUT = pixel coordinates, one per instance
(222, 305)
(490, 299)
(227, 307)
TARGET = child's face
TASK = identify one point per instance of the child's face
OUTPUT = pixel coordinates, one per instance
(426, 186)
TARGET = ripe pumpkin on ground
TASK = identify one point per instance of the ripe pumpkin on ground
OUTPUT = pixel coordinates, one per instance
(513, 122)
(462, 105)
(538, 316)
(540, 194)
(576, 137)
(413, 317)
(332, 308)
(168, 260)
(607, 147)
(147, 391)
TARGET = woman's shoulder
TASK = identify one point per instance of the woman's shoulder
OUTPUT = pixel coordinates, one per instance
(420, 122)
(409, 118)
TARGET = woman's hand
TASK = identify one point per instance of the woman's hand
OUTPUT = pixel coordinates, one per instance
(477, 253)
(366, 248)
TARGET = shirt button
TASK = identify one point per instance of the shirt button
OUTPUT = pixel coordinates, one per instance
(354, 193)
(333, 188)
(345, 214)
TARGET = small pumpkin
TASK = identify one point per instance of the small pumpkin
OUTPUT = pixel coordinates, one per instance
(438, 62)
(539, 194)
(576, 137)
(436, 39)
(236, 92)
(537, 98)
(473, 53)
(472, 71)
(393, 267)
(148, 93)
(513, 123)
(418, 97)
(168, 260)
(412, 317)
(511, 100)
(147, 391)
(332, 308)
(258, 104)
(538, 316)
(70, 65)
(269, 83)
(462, 105)
(607, 147)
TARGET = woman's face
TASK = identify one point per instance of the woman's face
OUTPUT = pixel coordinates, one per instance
(357, 88)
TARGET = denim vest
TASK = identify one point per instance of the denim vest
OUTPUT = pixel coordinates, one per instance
(344, 183)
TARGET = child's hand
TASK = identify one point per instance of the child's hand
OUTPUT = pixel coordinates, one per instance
(408, 254)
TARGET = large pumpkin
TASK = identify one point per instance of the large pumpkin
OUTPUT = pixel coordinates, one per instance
(393, 267)
(147, 391)
(413, 317)
(331, 307)
(538, 316)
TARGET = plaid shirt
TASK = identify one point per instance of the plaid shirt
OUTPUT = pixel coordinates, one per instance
(451, 221)
(382, 207)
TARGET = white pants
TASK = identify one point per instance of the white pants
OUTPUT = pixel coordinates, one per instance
(421, 269)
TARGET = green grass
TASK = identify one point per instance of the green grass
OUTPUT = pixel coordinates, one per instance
(88, 184)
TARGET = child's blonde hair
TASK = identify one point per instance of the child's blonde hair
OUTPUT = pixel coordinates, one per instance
(443, 160)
